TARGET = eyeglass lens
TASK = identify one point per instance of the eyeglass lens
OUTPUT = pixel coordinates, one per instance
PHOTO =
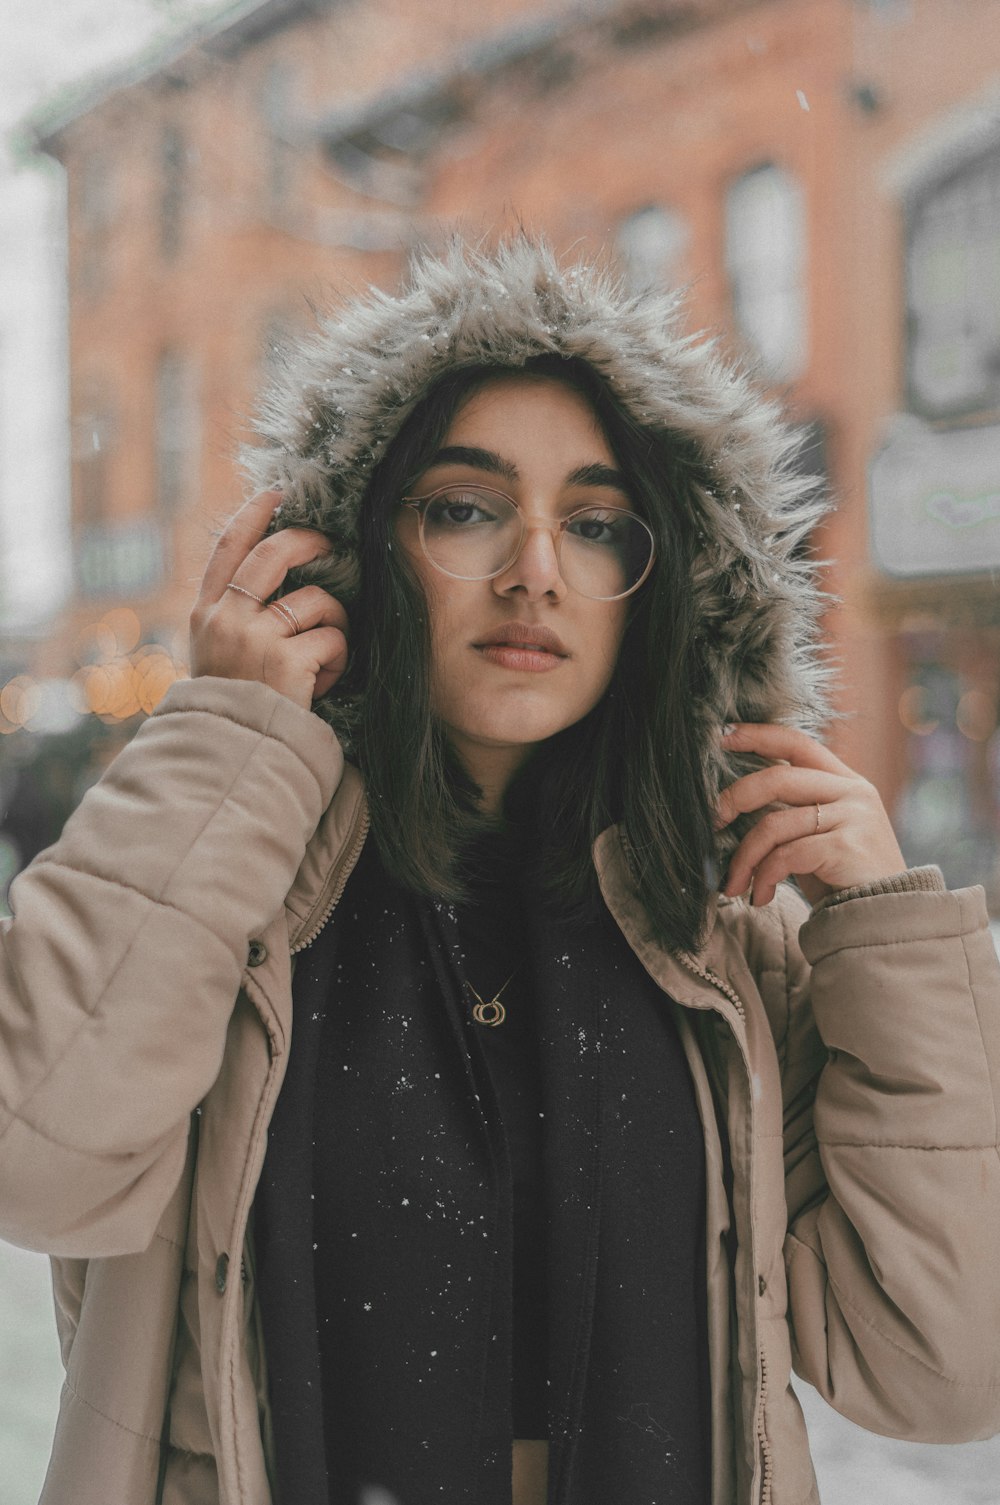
(473, 534)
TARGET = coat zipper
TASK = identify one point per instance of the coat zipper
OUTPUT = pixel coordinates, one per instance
(766, 1461)
(763, 1444)
(348, 858)
(717, 982)
(347, 863)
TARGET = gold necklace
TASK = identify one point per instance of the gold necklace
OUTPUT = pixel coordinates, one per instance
(482, 1011)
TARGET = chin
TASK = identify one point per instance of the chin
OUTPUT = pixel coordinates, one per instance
(523, 719)
(521, 730)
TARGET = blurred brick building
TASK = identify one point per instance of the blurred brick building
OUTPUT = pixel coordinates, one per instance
(825, 174)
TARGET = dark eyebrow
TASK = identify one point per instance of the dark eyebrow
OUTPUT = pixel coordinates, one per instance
(597, 475)
(479, 459)
(487, 459)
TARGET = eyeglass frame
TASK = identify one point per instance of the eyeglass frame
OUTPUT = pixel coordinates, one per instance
(417, 504)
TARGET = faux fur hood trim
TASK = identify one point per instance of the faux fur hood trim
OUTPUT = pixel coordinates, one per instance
(344, 391)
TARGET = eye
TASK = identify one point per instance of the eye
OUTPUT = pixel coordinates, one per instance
(597, 525)
(460, 507)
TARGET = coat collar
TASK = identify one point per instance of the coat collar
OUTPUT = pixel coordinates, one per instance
(329, 857)
(696, 980)
(337, 842)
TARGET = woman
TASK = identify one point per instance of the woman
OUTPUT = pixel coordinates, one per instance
(586, 1126)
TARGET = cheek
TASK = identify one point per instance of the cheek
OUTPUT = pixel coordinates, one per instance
(433, 587)
(443, 611)
(451, 624)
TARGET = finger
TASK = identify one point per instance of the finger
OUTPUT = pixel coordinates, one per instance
(791, 859)
(305, 665)
(312, 606)
(269, 561)
(329, 673)
(244, 530)
(776, 830)
(773, 741)
(779, 784)
(327, 652)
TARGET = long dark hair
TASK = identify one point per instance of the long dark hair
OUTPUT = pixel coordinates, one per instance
(634, 758)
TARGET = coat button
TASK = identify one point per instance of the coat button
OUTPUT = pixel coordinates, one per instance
(221, 1272)
(256, 954)
(761, 1284)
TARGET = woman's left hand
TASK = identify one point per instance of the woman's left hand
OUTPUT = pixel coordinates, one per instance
(833, 832)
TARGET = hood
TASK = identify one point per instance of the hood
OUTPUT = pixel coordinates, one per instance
(344, 390)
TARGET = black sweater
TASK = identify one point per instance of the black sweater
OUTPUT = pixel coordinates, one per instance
(433, 1254)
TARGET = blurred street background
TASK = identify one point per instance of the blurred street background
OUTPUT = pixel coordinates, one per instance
(182, 183)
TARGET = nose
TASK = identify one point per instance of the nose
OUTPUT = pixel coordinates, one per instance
(535, 570)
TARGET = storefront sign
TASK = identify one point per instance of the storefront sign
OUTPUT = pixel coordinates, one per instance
(935, 500)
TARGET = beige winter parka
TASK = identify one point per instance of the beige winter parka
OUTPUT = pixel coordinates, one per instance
(146, 1018)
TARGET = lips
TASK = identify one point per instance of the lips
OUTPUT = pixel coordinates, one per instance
(525, 636)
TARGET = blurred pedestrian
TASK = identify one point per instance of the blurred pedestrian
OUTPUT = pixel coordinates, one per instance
(416, 1063)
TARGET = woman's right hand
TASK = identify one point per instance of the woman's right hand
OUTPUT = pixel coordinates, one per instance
(236, 637)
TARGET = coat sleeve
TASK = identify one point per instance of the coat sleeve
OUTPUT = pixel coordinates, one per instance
(892, 1174)
(122, 960)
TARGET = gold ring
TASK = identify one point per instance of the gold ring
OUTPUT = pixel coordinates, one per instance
(817, 819)
(287, 613)
(244, 592)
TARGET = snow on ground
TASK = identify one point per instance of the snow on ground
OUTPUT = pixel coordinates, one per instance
(30, 1374)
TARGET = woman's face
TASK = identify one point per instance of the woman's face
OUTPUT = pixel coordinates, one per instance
(539, 442)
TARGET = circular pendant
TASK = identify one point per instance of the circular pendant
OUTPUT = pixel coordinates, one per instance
(491, 1014)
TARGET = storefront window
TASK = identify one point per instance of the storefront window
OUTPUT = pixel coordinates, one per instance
(948, 812)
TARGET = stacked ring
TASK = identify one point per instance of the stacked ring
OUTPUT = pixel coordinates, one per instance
(281, 607)
(286, 612)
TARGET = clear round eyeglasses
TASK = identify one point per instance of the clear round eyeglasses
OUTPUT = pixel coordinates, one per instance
(475, 533)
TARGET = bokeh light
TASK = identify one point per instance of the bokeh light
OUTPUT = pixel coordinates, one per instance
(976, 716)
(115, 689)
(127, 629)
(913, 711)
(95, 643)
(19, 700)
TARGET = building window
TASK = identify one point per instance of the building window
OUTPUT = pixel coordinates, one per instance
(651, 245)
(277, 94)
(93, 445)
(953, 293)
(95, 210)
(176, 424)
(173, 161)
(765, 263)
